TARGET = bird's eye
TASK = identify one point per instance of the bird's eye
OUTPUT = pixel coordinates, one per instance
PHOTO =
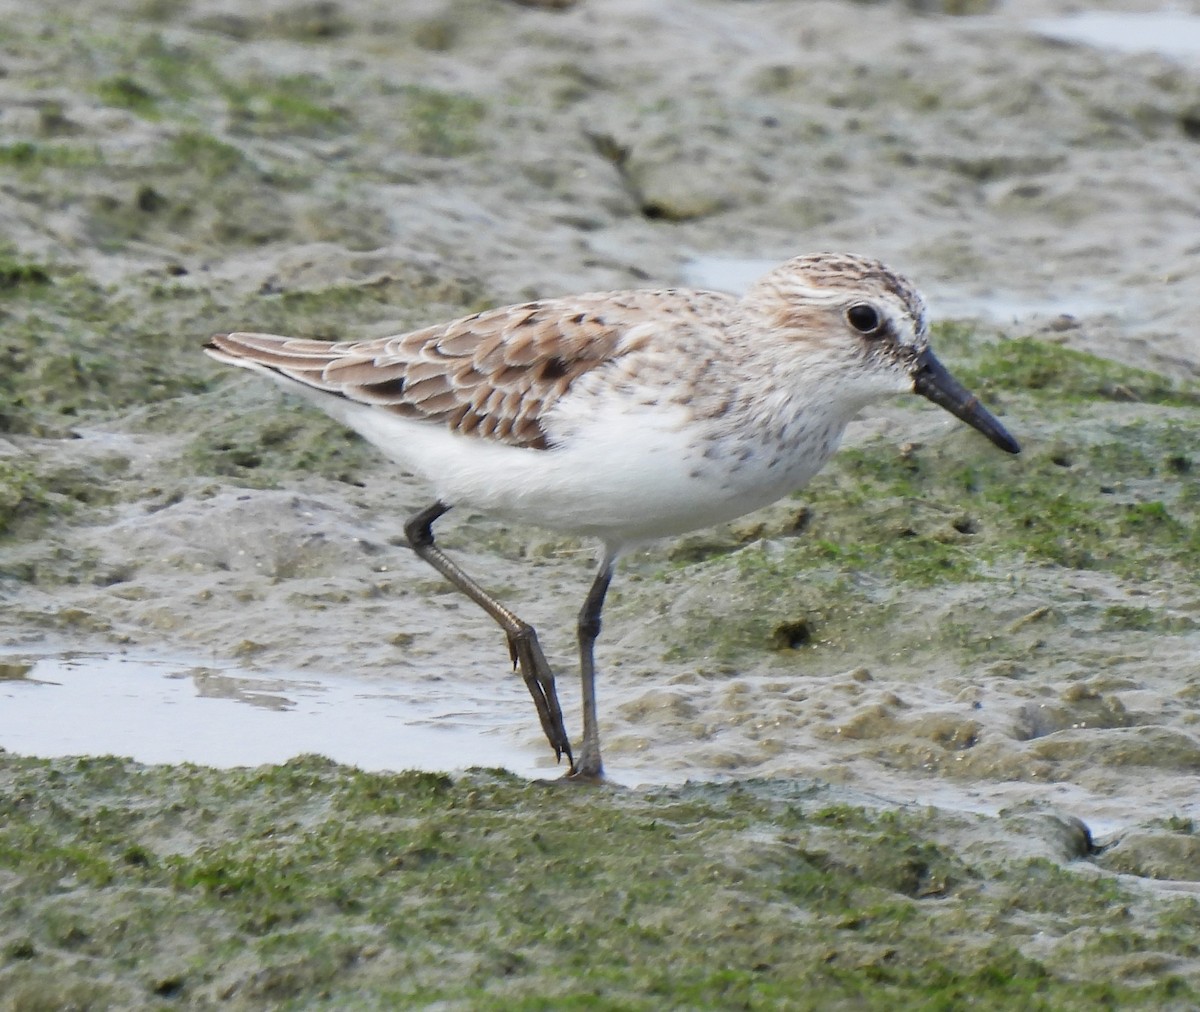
(863, 318)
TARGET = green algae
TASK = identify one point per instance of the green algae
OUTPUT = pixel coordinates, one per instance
(1040, 369)
(212, 157)
(124, 92)
(260, 447)
(127, 883)
(24, 494)
(294, 104)
(442, 124)
(71, 349)
(1112, 505)
(17, 273)
(32, 157)
(35, 493)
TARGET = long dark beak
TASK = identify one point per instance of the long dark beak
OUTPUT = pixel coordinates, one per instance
(932, 380)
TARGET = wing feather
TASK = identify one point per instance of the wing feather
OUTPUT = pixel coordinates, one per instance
(494, 374)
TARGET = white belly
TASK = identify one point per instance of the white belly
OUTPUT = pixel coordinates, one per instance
(626, 476)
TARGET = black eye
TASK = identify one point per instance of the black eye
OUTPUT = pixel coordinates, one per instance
(863, 318)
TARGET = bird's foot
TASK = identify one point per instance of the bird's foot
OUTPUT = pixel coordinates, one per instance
(577, 775)
(528, 658)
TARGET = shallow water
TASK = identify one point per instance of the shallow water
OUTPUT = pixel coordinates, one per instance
(159, 710)
(174, 711)
(1170, 34)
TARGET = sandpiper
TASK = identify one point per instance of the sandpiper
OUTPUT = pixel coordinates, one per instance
(622, 416)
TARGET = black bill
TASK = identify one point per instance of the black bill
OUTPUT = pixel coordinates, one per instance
(932, 380)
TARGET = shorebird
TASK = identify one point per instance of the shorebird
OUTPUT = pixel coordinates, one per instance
(622, 416)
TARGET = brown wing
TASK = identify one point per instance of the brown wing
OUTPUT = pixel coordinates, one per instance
(494, 374)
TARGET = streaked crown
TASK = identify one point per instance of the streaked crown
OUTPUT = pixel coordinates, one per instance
(802, 293)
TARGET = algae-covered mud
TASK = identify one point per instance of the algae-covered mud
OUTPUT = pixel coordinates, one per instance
(313, 885)
(893, 694)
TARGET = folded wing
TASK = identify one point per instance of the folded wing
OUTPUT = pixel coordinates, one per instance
(493, 375)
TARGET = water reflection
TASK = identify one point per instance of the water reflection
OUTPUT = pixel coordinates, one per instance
(160, 711)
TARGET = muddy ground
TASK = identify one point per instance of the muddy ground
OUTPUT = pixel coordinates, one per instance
(928, 623)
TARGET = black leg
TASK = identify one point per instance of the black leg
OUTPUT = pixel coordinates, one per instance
(590, 765)
(523, 644)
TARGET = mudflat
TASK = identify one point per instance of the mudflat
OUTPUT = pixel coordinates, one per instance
(921, 672)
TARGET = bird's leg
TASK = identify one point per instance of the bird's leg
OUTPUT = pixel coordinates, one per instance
(589, 766)
(523, 644)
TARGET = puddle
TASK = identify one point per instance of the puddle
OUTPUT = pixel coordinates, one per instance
(158, 711)
(725, 274)
(1172, 35)
(216, 714)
